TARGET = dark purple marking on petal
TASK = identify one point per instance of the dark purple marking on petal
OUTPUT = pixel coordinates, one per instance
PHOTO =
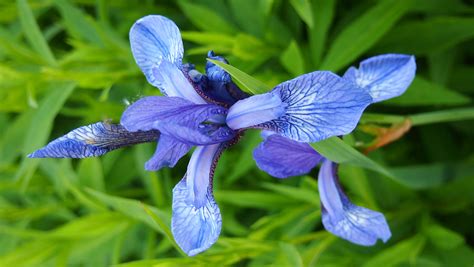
(93, 140)
(319, 105)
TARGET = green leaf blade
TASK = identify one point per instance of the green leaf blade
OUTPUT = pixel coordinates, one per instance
(33, 32)
(336, 150)
(247, 82)
(364, 32)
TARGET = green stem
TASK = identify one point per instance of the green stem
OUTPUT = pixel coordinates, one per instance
(451, 115)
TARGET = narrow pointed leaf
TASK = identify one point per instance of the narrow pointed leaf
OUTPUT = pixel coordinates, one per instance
(304, 10)
(364, 32)
(33, 33)
(336, 150)
(247, 82)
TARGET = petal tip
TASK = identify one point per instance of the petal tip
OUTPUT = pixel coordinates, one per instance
(194, 229)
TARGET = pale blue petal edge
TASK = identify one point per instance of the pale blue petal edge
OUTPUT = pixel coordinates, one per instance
(384, 76)
(158, 50)
(342, 218)
(194, 229)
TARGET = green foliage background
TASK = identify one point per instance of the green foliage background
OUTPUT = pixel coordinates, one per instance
(68, 63)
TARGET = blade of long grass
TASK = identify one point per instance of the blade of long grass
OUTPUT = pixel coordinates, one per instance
(33, 33)
(364, 32)
(248, 83)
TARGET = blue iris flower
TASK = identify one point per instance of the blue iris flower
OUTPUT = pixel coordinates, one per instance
(382, 77)
(192, 112)
(210, 112)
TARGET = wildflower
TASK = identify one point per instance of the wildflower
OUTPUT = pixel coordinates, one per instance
(192, 113)
(383, 77)
(209, 112)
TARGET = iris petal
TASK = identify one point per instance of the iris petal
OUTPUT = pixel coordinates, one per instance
(281, 157)
(168, 152)
(255, 110)
(196, 221)
(200, 171)
(195, 125)
(175, 83)
(220, 85)
(344, 219)
(158, 50)
(142, 114)
(385, 76)
(194, 229)
(93, 140)
(317, 105)
(184, 121)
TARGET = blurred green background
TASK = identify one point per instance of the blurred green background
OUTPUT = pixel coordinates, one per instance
(67, 63)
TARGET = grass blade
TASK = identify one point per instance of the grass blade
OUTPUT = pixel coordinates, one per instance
(336, 150)
(33, 33)
(248, 83)
(364, 32)
(304, 10)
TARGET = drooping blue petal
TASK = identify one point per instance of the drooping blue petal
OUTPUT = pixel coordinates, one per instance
(282, 157)
(385, 76)
(184, 121)
(344, 219)
(158, 50)
(200, 172)
(196, 221)
(93, 140)
(168, 152)
(194, 229)
(318, 105)
(255, 110)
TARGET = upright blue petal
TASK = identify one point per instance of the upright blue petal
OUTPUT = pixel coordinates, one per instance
(93, 140)
(281, 157)
(220, 85)
(215, 72)
(194, 229)
(184, 121)
(317, 105)
(175, 83)
(158, 50)
(385, 76)
(196, 221)
(344, 219)
(168, 152)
